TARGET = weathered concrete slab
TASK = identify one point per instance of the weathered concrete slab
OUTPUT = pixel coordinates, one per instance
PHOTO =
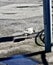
(21, 1)
(20, 11)
(8, 26)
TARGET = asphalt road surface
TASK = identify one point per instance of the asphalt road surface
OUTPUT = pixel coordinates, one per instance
(16, 16)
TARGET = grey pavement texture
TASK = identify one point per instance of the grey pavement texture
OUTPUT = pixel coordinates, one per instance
(14, 19)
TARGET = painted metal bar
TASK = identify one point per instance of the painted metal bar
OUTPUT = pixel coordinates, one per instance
(47, 20)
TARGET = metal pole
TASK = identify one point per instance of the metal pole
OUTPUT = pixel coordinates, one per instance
(46, 10)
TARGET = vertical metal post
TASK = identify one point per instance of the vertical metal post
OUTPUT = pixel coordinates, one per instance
(46, 10)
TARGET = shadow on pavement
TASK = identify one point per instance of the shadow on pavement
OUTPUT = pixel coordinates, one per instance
(42, 54)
